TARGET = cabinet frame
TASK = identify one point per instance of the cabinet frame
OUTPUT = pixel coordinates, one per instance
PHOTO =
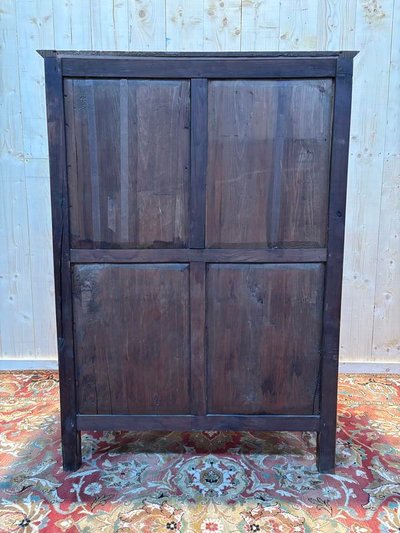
(199, 68)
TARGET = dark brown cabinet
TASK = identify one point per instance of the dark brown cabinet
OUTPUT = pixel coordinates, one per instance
(198, 209)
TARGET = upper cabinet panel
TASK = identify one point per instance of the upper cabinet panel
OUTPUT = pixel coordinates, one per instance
(267, 180)
(128, 152)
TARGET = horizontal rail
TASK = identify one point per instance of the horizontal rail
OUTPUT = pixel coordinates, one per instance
(208, 255)
(199, 423)
(181, 67)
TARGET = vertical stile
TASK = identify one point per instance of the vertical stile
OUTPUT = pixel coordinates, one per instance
(199, 127)
(61, 249)
(334, 266)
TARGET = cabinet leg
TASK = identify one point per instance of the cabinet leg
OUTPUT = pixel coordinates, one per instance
(326, 448)
(71, 448)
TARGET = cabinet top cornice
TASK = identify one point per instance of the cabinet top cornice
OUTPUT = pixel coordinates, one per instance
(110, 54)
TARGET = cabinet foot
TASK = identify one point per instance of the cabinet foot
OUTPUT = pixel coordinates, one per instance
(71, 450)
(326, 451)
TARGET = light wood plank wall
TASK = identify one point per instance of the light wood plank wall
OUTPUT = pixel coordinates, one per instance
(371, 294)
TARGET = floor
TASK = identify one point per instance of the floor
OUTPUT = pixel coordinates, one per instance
(200, 482)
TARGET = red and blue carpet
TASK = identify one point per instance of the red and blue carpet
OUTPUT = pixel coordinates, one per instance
(200, 482)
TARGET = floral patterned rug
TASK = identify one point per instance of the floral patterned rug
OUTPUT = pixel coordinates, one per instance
(200, 482)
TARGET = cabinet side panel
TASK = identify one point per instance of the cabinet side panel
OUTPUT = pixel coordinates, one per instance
(264, 326)
(132, 338)
(128, 147)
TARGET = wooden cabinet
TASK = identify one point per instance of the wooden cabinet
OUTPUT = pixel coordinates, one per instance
(198, 219)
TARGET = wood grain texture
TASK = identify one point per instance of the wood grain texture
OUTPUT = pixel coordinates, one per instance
(199, 423)
(42, 270)
(35, 30)
(386, 339)
(209, 255)
(17, 330)
(222, 22)
(17, 333)
(147, 24)
(109, 20)
(136, 360)
(330, 24)
(369, 122)
(70, 436)
(264, 332)
(336, 24)
(184, 25)
(326, 439)
(132, 139)
(72, 25)
(219, 67)
(260, 25)
(198, 338)
(198, 160)
(298, 25)
(268, 163)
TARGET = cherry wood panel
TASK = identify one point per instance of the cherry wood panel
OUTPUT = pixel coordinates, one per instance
(268, 163)
(132, 339)
(128, 146)
(264, 325)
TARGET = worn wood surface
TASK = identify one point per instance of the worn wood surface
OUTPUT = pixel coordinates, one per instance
(268, 163)
(256, 318)
(196, 331)
(70, 436)
(132, 139)
(209, 255)
(371, 309)
(199, 423)
(136, 360)
(326, 440)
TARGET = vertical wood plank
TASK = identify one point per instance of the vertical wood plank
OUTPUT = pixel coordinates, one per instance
(222, 25)
(371, 78)
(336, 24)
(34, 20)
(16, 308)
(109, 21)
(35, 31)
(298, 25)
(197, 329)
(386, 333)
(198, 160)
(60, 215)
(11, 133)
(72, 24)
(184, 25)
(124, 158)
(146, 25)
(42, 271)
(274, 214)
(260, 25)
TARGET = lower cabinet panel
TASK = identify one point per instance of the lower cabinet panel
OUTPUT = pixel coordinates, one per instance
(264, 326)
(132, 339)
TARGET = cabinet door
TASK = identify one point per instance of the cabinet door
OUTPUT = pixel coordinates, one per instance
(264, 332)
(132, 338)
(128, 162)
